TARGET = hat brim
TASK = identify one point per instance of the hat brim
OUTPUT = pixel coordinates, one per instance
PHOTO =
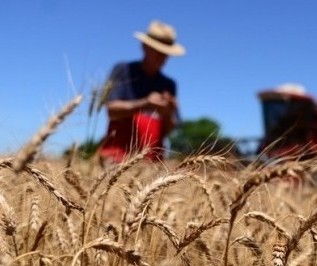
(171, 50)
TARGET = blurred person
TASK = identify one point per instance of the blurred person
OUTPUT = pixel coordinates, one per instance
(141, 100)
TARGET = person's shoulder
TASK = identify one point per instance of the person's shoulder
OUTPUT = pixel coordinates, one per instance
(120, 69)
(121, 65)
(125, 65)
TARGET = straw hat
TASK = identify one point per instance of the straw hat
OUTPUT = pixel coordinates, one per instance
(161, 37)
(292, 88)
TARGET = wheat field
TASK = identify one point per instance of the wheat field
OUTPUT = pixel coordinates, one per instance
(205, 209)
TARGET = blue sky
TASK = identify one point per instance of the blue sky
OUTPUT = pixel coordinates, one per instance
(52, 49)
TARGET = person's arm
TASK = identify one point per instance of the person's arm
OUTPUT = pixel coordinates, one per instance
(119, 109)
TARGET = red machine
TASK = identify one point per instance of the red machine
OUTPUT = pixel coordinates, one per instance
(290, 122)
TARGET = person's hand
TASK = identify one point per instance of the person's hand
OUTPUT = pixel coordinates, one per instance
(164, 102)
(155, 100)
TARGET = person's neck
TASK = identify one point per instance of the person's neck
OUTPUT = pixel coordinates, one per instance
(148, 69)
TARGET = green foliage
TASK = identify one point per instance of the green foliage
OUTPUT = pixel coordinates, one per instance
(197, 135)
(86, 150)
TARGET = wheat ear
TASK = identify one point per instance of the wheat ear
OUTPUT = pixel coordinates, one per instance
(253, 246)
(306, 224)
(164, 227)
(280, 171)
(113, 247)
(113, 178)
(142, 199)
(214, 160)
(206, 192)
(203, 247)
(50, 187)
(9, 224)
(198, 231)
(73, 179)
(269, 221)
(27, 153)
(34, 218)
(72, 230)
(43, 180)
(115, 173)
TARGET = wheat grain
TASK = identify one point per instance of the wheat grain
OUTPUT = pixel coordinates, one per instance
(34, 219)
(279, 254)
